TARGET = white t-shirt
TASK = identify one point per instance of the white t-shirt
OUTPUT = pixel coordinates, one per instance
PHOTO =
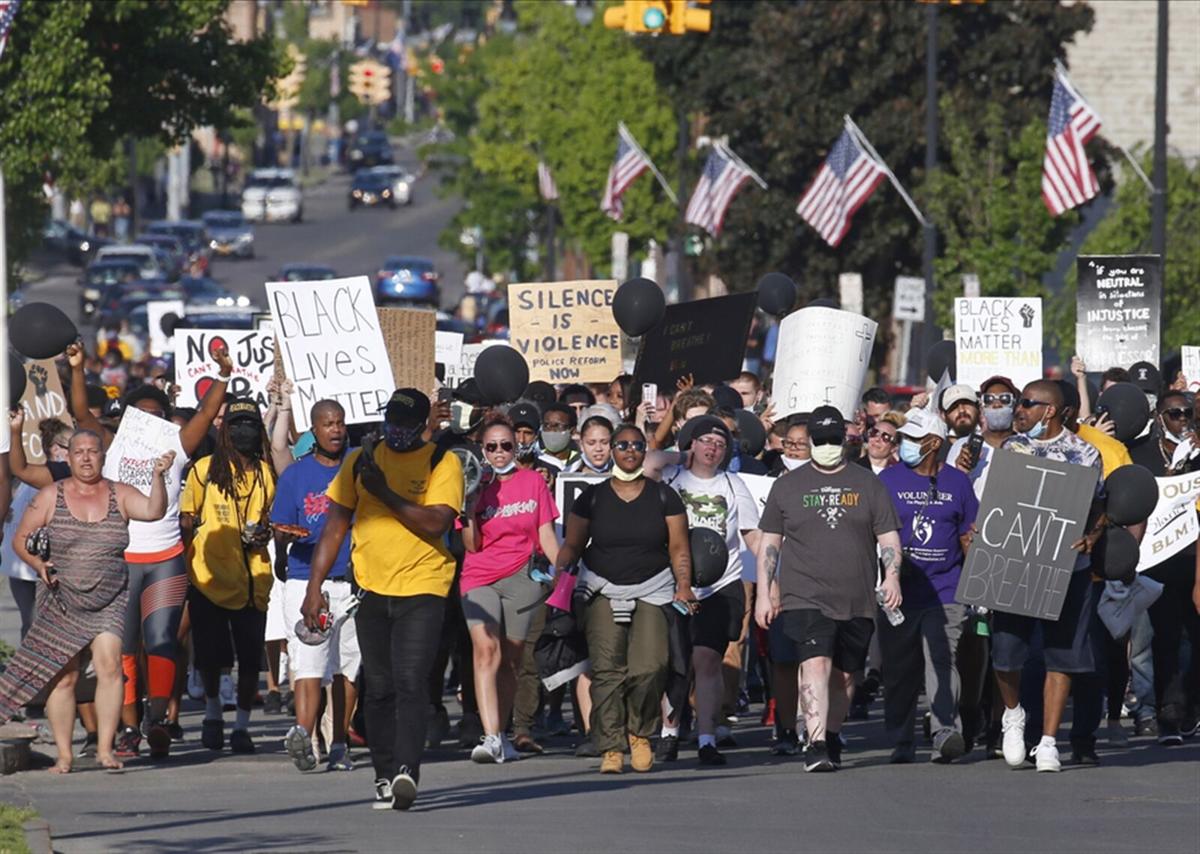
(722, 503)
(150, 538)
(977, 475)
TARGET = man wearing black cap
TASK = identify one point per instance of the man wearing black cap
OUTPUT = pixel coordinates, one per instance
(398, 500)
(820, 529)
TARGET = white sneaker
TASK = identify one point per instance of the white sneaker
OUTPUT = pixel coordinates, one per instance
(489, 751)
(511, 754)
(383, 794)
(1013, 725)
(1046, 757)
(228, 695)
(195, 685)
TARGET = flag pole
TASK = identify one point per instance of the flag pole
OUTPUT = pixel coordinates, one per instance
(857, 133)
(661, 180)
(728, 152)
(1061, 71)
(4, 357)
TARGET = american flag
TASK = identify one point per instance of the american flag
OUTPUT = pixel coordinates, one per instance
(723, 176)
(8, 11)
(630, 162)
(1067, 179)
(847, 178)
(546, 186)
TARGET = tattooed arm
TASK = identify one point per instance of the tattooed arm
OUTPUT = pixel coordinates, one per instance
(889, 557)
(767, 559)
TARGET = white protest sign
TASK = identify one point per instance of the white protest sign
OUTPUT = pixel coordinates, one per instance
(332, 346)
(908, 300)
(252, 352)
(1191, 366)
(141, 439)
(567, 487)
(156, 310)
(566, 330)
(447, 347)
(1173, 526)
(998, 335)
(822, 358)
(464, 369)
(759, 486)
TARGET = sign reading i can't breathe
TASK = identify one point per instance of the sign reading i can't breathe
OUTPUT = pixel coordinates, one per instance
(566, 330)
(1032, 511)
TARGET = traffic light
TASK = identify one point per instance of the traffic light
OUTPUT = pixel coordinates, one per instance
(684, 19)
(676, 17)
(371, 81)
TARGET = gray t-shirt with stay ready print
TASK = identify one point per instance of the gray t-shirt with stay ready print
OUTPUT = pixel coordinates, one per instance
(829, 524)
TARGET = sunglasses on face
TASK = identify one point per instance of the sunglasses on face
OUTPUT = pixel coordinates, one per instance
(876, 433)
(712, 442)
(1176, 412)
(630, 445)
(1027, 403)
(1005, 399)
(492, 447)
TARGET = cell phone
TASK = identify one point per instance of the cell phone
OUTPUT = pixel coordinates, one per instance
(650, 393)
(681, 608)
(974, 446)
(445, 394)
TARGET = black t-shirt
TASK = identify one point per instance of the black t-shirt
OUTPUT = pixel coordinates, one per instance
(628, 539)
(58, 471)
(1147, 451)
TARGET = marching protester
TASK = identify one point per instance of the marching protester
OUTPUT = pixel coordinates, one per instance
(595, 439)
(998, 398)
(558, 450)
(882, 441)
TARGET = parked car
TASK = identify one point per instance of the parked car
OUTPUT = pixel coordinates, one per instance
(305, 273)
(402, 182)
(370, 149)
(272, 195)
(68, 242)
(98, 276)
(371, 187)
(152, 263)
(229, 234)
(406, 279)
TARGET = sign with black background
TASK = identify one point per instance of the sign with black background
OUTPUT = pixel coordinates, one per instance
(705, 338)
(1032, 510)
(1118, 310)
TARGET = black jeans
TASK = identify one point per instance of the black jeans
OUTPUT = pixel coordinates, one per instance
(398, 637)
(1176, 690)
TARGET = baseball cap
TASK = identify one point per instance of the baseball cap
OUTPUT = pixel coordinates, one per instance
(406, 405)
(703, 426)
(1004, 381)
(826, 426)
(957, 393)
(1146, 377)
(922, 423)
(525, 414)
(243, 409)
(727, 397)
(602, 410)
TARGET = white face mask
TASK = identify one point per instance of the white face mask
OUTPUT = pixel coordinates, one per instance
(507, 468)
(827, 456)
(790, 464)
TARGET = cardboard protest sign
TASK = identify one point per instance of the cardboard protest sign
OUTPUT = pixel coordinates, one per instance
(156, 310)
(1191, 366)
(408, 334)
(252, 352)
(43, 398)
(822, 358)
(141, 439)
(332, 347)
(567, 488)
(1118, 311)
(705, 338)
(566, 330)
(1173, 526)
(1032, 510)
(447, 347)
(465, 368)
(998, 335)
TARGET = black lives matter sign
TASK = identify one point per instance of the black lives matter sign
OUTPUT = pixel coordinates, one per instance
(705, 338)
(1032, 511)
(1118, 310)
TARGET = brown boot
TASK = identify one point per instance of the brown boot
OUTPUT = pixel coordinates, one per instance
(641, 757)
(612, 762)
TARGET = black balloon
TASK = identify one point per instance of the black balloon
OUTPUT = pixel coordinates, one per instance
(1132, 494)
(710, 556)
(502, 374)
(168, 322)
(942, 356)
(41, 331)
(638, 306)
(16, 379)
(1118, 552)
(751, 434)
(1128, 408)
(776, 294)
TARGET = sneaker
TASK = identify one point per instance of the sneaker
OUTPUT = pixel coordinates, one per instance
(404, 789)
(339, 759)
(834, 744)
(1116, 735)
(709, 755)
(667, 749)
(159, 739)
(438, 727)
(816, 757)
(613, 762)
(129, 742)
(903, 754)
(511, 754)
(725, 737)
(587, 750)
(195, 685)
(88, 750)
(240, 742)
(1013, 726)
(1045, 756)
(383, 794)
(948, 745)
(489, 751)
(273, 705)
(174, 730)
(788, 744)
(1169, 735)
(298, 744)
(641, 757)
(212, 734)
(228, 695)
(1190, 726)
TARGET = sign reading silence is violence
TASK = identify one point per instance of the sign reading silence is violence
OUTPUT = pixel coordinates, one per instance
(566, 330)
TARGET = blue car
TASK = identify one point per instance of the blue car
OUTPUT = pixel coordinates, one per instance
(406, 280)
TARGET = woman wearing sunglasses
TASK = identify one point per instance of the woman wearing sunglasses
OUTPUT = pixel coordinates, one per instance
(638, 562)
(508, 521)
(882, 441)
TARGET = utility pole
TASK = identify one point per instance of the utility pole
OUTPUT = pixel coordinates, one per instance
(1158, 199)
(683, 281)
(930, 333)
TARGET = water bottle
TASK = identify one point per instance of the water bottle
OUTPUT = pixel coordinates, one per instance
(894, 615)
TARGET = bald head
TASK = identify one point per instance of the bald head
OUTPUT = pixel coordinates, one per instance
(1047, 390)
(325, 407)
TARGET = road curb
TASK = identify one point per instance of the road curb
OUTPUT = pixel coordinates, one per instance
(37, 836)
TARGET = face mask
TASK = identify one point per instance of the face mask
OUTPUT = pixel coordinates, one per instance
(827, 456)
(1036, 431)
(790, 464)
(910, 452)
(627, 476)
(556, 440)
(512, 465)
(604, 469)
(998, 420)
(1168, 435)
(246, 439)
(524, 451)
(402, 439)
(1152, 399)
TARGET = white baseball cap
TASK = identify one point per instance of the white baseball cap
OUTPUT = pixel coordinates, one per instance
(922, 423)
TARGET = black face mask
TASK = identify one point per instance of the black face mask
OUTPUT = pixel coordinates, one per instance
(246, 439)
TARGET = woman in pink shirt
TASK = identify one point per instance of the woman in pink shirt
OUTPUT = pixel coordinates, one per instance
(508, 521)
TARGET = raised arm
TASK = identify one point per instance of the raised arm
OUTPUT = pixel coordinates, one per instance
(281, 428)
(1079, 369)
(19, 466)
(79, 402)
(196, 429)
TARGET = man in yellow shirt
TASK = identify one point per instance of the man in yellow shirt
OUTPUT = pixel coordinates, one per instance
(398, 501)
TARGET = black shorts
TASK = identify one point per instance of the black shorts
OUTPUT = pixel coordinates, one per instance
(813, 635)
(217, 632)
(719, 618)
(780, 649)
(1066, 641)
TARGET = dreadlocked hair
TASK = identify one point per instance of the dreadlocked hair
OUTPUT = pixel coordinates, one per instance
(226, 468)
